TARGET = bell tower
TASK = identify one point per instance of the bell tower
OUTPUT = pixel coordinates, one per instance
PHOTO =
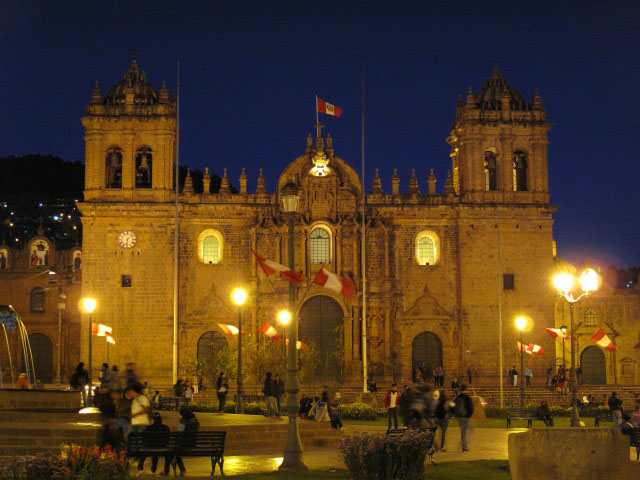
(499, 146)
(130, 137)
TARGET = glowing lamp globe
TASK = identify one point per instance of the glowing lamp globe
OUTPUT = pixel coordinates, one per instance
(563, 282)
(589, 280)
(239, 296)
(88, 305)
(290, 194)
(284, 317)
(521, 323)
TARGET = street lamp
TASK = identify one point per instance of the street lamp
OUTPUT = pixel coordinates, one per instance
(521, 323)
(239, 297)
(89, 305)
(564, 284)
(284, 317)
(292, 460)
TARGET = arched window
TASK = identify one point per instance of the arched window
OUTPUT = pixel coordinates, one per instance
(210, 246)
(113, 168)
(144, 164)
(36, 300)
(520, 172)
(590, 318)
(427, 248)
(490, 171)
(320, 246)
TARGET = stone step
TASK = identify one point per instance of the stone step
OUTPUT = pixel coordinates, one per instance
(47, 417)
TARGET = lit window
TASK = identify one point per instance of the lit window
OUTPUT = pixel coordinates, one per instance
(520, 172)
(427, 248)
(590, 318)
(36, 300)
(210, 249)
(210, 246)
(320, 246)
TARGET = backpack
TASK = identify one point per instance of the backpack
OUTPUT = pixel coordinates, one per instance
(460, 407)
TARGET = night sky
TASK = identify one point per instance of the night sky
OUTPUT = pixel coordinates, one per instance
(250, 71)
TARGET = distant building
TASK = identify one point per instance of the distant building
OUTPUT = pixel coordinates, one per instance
(443, 265)
(43, 285)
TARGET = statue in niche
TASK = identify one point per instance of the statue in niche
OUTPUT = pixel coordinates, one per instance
(114, 168)
(143, 168)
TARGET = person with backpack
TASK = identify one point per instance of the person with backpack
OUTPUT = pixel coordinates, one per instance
(463, 409)
(440, 414)
(187, 423)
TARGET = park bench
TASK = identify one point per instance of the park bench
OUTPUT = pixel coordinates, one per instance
(520, 414)
(634, 439)
(178, 444)
(605, 417)
(172, 403)
(397, 432)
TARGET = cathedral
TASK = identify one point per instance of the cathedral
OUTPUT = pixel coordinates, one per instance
(447, 269)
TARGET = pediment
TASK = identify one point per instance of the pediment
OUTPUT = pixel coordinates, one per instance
(212, 306)
(426, 306)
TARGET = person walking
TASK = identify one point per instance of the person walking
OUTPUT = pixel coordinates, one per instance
(513, 376)
(440, 414)
(528, 373)
(463, 409)
(615, 405)
(188, 391)
(222, 388)
(140, 409)
(195, 384)
(455, 386)
(391, 403)
(156, 426)
(278, 392)
(269, 395)
(79, 380)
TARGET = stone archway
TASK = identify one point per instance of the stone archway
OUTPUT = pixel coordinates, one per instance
(426, 352)
(42, 350)
(209, 345)
(322, 322)
(594, 366)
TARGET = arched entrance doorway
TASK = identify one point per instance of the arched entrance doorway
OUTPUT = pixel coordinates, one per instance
(594, 366)
(322, 322)
(209, 345)
(42, 350)
(426, 353)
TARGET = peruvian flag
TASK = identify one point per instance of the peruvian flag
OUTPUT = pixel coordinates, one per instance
(300, 345)
(334, 282)
(601, 339)
(229, 329)
(269, 268)
(557, 333)
(269, 331)
(100, 330)
(531, 348)
(324, 107)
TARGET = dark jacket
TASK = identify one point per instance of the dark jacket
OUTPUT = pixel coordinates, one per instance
(268, 387)
(615, 403)
(278, 388)
(463, 406)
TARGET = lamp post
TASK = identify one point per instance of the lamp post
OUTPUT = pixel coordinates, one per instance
(564, 284)
(521, 323)
(284, 317)
(292, 460)
(239, 297)
(89, 305)
(563, 329)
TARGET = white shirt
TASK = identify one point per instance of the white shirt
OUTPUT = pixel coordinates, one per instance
(392, 399)
(138, 405)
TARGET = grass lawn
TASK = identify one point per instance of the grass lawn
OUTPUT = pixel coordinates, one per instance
(475, 470)
(490, 422)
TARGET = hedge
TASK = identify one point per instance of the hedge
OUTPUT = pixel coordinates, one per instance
(497, 412)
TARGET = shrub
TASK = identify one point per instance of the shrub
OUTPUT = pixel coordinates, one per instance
(254, 408)
(229, 407)
(38, 467)
(358, 411)
(381, 457)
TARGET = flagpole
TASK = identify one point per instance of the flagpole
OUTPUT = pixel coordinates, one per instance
(317, 119)
(176, 236)
(363, 248)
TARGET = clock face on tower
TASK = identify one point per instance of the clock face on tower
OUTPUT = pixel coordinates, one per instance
(127, 239)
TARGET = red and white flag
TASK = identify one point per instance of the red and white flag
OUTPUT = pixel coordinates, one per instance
(557, 333)
(100, 330)
(110, 340)
(300, 345)
(324, 107)
(601, 339)
(269, 331)
(334, 282)
(229, 329)
(530, 348)
(269, 268)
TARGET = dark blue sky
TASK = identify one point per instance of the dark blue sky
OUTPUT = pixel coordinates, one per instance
(250, 70)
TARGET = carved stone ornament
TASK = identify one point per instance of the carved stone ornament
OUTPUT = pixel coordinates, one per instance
(426, 306)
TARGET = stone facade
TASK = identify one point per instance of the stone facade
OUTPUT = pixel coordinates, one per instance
(460, 264)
